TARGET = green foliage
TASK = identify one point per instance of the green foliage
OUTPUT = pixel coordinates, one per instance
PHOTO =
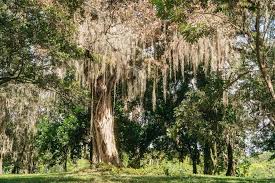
(179, 11)
(138, 136)
(158, 163)
(72, 5)
(201, 112)
(164, 8)
(204, 124)
(257, 166)
(61, 138)
(243, 168)
(34, 38)
(125, 159)
(192, 33)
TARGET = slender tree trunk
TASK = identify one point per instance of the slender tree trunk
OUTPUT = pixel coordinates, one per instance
(260, 58)
(65, 165)
(91, 149)
(104, 143)
(2, 129)
(181, 156)
(208, 161)
(196, 158)
(194, 164)
(230, 163)
(30, 166)
(30, 157)
(1, 164)
(193, 151)
(214, 156)
(16, 168)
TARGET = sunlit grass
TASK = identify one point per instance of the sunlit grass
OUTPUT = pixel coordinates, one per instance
(108, 177)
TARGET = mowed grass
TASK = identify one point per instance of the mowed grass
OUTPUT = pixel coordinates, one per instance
(104, 177)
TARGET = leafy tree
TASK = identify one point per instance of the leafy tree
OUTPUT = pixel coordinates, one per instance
(251, 21)
(251, 25)
(146, 129)
(35, 37)
(203, 120)
(61, 138)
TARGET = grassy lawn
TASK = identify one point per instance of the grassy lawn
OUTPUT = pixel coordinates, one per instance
(110, 178)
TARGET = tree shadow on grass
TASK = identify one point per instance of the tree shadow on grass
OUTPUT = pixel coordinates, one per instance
(44, 179)
(103, 178)
(174, 179)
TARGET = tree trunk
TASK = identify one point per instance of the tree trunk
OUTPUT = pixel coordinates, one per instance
(260, 58)
(91, 149)
(181, 156)
(16, 168)
(30, 158)
(65, 165)
(193, 151)
(30, 166)
(194, 164)
(230, 163)
(1, 164)
(214, 156)
(208, 160)
(195, 159)
(104, 142)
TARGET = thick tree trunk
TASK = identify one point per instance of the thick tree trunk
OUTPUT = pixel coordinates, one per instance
(1, 164)
(104, 142)
(230, 163)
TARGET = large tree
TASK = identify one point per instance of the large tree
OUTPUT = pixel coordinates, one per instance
(128, 46)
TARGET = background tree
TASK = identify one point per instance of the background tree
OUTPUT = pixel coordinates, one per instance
(131, 52)
(36, 39)
(63, 138)
(204, 120)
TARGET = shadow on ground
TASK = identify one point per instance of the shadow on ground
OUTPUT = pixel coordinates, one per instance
(44, 179)
(88, 178)
(162, 179)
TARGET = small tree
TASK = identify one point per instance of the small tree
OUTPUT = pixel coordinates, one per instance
(202, 119)
(61, 138)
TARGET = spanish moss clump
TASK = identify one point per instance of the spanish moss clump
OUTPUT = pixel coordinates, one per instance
(121, 42)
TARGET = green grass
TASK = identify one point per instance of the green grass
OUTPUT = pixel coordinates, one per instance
(107, 177)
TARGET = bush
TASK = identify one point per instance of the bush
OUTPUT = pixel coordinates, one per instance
(257, 166)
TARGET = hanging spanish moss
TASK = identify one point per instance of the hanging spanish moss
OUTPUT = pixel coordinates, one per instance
(129, 46)
(22, 106)
(119, 36)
